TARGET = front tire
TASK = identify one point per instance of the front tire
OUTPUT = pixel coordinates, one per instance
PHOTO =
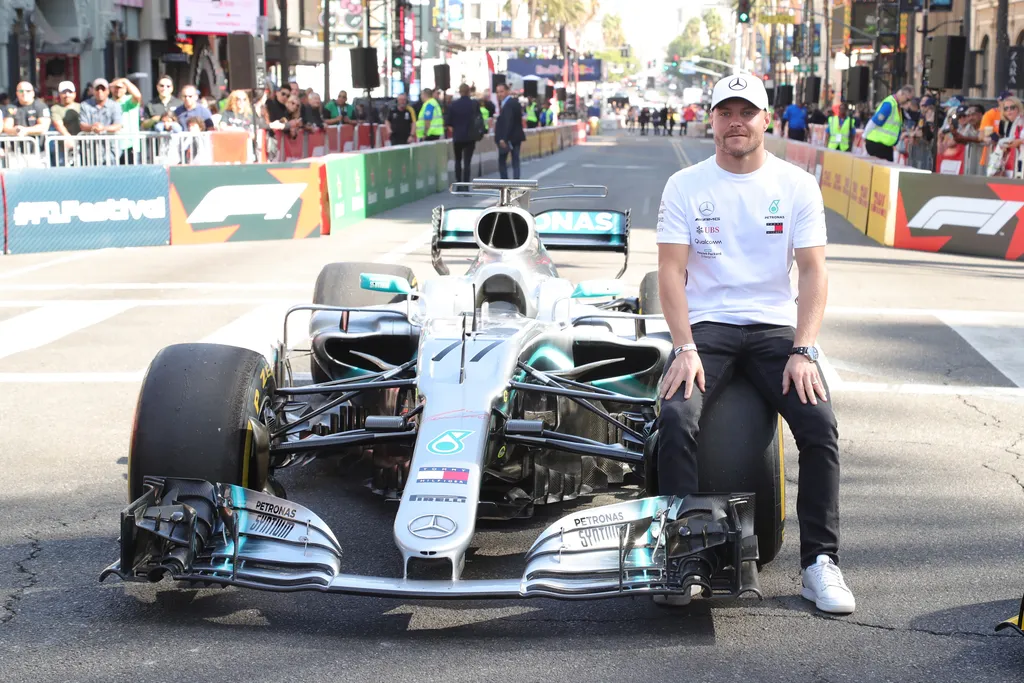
(201, 414)
(739, 449)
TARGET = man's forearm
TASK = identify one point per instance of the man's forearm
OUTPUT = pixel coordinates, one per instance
(674, 305)
(812, 287)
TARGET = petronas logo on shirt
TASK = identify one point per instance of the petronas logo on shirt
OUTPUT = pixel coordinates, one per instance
(774, 206)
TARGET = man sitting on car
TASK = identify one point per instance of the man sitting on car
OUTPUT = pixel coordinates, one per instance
(729, 231)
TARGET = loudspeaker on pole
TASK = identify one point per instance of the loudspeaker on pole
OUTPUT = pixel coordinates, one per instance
(442, 76)
(530, 88)
(947, 55)
(812, 89)
(365, 75)
(247, 62)
(858, 84)
(784, 95)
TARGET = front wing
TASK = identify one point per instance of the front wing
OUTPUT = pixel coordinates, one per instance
(197, 531)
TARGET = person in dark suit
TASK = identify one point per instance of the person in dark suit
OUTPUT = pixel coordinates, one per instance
(508, 131)
(460, 118)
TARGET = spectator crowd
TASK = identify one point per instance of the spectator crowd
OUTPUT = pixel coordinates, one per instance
(72, 127)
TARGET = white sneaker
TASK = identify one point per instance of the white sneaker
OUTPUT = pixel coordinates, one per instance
(824, 586)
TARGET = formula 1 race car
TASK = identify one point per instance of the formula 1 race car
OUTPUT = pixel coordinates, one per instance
(474, 396)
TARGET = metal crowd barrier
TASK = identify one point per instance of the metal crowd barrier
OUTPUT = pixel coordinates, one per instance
(20, 152)
(128, 149)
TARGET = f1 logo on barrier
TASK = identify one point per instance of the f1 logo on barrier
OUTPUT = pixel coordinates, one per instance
(273, 201)
(989, 216)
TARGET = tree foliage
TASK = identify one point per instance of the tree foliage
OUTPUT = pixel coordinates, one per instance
(689, 43)
(611, 31)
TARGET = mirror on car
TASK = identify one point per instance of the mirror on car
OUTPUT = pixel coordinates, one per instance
(381, 282)
(595, 289)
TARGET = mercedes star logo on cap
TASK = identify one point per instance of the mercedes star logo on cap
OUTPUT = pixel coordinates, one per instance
(432, 526)
(737, 84)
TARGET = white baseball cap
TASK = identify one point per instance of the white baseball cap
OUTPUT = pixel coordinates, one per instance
(745, 86)
(66, 85)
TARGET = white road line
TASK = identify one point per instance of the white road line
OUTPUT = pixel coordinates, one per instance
(547, 171)
(156, 286)
(70, 377)
(53, 321)
(621, 168)
(412, 245)
(131, 303)
(46, 264)
(945, 314)
(998, 344)
(261, 328)
(914, 389)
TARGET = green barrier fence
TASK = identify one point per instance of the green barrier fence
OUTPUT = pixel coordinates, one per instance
(363, 184)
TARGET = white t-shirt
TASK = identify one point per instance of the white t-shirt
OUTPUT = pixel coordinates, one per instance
(742, 230)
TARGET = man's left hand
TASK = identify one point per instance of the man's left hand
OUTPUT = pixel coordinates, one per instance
(802, 374)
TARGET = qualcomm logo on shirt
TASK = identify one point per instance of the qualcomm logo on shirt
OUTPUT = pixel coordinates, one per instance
(61, 213)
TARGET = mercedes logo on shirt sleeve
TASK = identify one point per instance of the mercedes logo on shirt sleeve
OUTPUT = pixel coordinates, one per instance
(737, 84)
(432, 526)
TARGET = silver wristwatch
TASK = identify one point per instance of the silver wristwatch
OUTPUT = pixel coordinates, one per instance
(684, 348)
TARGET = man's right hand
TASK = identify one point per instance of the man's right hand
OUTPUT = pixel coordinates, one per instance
(686, 369)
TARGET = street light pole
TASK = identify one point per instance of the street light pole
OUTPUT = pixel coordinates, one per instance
(1002, 45)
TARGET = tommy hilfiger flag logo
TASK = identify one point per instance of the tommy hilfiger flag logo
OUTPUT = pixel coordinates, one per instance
(443, 475)
(773, 229)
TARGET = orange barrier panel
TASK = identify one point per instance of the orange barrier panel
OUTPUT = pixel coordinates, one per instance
(230, 147)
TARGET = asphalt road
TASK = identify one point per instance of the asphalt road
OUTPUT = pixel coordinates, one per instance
(923, 357)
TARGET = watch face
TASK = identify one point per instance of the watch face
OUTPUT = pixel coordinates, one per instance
(812, 353)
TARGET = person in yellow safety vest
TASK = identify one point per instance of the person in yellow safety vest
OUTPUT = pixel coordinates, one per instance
(547, 117)
(531, 114)
(883, 130)
(430, 122)
(840, 129)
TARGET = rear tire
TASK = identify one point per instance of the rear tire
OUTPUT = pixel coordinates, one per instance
(734, 455)
(339, 285)
(201, 415)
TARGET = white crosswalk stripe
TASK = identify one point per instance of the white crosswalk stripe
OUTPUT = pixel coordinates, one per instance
(53, 321)
(261, 329)
(257, 324)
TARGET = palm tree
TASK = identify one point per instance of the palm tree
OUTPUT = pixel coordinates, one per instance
(611, 31)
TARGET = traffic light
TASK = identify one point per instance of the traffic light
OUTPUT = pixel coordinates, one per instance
(743, 11)
(398, 61)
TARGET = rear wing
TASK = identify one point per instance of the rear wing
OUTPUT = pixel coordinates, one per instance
(557, 229)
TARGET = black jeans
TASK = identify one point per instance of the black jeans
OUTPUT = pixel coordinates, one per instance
(877, 149)
(502, 159)
(463, 160)
(761, 353)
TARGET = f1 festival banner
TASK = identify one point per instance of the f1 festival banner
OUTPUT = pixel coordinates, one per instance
(960, 214)
(63, 209)
(244, 202)
(590, 69)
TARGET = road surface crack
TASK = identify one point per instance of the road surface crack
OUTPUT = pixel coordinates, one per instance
(26, 578)
(1009, 474)
(860, 624)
